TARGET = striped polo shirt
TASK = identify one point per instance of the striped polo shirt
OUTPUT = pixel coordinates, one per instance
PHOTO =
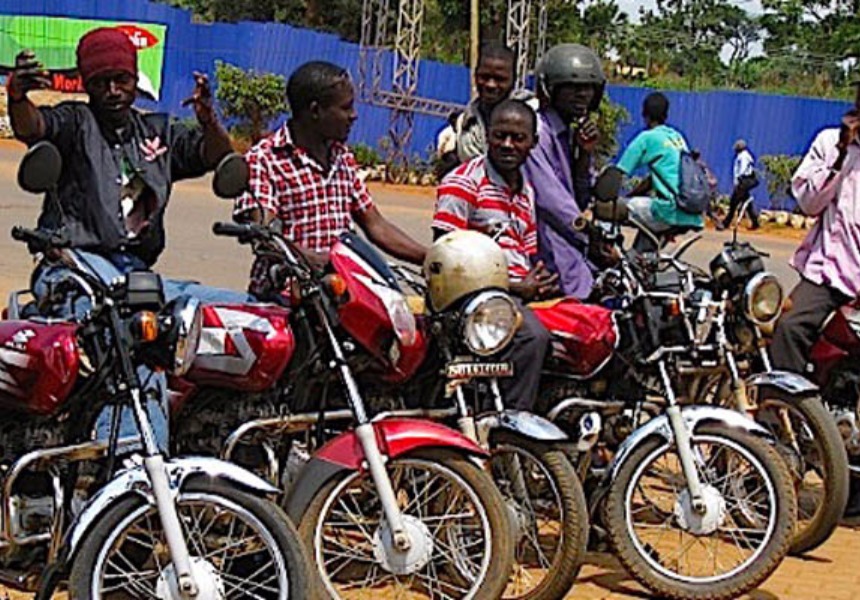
(474, 196)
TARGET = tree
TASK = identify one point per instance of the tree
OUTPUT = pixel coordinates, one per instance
(254, 99)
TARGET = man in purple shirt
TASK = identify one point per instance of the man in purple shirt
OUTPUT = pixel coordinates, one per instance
(570, 84)
(826, 185)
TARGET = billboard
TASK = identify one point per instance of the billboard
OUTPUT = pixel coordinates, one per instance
(54, 40)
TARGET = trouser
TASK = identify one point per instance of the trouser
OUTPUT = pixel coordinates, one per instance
(154, 384)
(639, 207)
(527, 352)
(799, 328)
(741, 194)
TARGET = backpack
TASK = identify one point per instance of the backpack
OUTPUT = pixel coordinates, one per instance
(693, 194)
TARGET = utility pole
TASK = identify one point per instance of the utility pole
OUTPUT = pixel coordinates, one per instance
(474, 33)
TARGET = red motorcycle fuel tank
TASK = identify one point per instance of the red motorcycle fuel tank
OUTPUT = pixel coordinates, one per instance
(375, 311)
(584, 336)
(243, 346)
(39, 364)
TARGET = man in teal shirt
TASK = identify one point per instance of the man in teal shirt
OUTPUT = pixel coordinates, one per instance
(658, 148)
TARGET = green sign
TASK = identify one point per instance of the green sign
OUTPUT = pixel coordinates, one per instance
(54, 40)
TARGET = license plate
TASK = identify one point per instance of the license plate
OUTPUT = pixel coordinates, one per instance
(471, 370)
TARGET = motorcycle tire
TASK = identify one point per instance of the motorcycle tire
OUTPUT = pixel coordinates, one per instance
(349, 549)
(816, 528)
(290, 572)
(553, 473)
(642, 558)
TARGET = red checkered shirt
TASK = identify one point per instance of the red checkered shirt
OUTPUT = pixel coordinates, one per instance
(474, 196)
(315, 206)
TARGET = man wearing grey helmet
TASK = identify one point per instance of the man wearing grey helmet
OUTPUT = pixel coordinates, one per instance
(570, 85)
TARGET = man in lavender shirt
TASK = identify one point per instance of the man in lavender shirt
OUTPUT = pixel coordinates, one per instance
(826, 185)
(570, 84)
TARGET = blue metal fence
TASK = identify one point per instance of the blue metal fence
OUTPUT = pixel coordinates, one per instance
(712, 121)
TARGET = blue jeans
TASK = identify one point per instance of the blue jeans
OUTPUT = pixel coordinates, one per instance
(154, 385)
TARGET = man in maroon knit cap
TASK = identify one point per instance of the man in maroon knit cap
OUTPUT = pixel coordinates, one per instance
(119, 166)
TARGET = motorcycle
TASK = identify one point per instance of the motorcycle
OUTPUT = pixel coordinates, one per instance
(694, 500)
(834, 359)
(393, 503)
(458, 383)
(728, 310)
(189, 527)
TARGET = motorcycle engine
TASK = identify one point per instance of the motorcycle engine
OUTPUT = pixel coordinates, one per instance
(216, 417)
(32, 503)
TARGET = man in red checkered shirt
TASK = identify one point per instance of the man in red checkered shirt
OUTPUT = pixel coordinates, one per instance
(306, 176)
(490, 194)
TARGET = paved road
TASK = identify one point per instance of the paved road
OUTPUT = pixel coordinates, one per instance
(193, 252)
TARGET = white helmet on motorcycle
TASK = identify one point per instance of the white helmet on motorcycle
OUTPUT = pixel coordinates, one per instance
(462, 262)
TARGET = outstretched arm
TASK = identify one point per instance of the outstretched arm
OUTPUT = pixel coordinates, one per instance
(26, 120)
(216, 142)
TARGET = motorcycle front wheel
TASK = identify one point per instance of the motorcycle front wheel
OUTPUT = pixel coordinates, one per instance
(678, 552)
(544, 496)
(459, 530)
(241, 546)
(812, 446)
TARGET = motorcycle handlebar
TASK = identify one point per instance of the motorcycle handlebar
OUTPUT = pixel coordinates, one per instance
(39, 239)
(232, 229)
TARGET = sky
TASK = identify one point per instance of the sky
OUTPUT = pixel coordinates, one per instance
(631, 7)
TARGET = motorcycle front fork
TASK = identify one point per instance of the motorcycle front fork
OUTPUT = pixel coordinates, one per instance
(366, 434)
(154, 465)
(682, 436)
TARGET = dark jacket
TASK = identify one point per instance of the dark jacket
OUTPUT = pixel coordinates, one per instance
(90, 185)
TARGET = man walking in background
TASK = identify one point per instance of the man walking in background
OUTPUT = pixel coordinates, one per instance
(745, 180)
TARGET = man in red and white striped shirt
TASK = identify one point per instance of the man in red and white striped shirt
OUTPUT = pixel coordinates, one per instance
(490, 194)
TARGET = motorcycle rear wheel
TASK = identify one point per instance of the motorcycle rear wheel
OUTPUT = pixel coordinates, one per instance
(127, 547)
(550, 513)
(462, 544)
(751, 507)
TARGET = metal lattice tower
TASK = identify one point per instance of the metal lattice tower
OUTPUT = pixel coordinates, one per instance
(404, 84)
(540, 49)
(517, 34)
(375, 16)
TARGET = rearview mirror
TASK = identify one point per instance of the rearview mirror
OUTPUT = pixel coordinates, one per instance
(608, 184)
(231, 176)
(40, 168)
(614, 212)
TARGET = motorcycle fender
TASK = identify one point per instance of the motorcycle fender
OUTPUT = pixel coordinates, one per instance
(136, 481)
(695, 417)
(523, 423)
(344, 454)
(784, 380)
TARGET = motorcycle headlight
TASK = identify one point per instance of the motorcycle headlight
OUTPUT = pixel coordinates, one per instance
(187, 319)
(763, 297)
(490, 321)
